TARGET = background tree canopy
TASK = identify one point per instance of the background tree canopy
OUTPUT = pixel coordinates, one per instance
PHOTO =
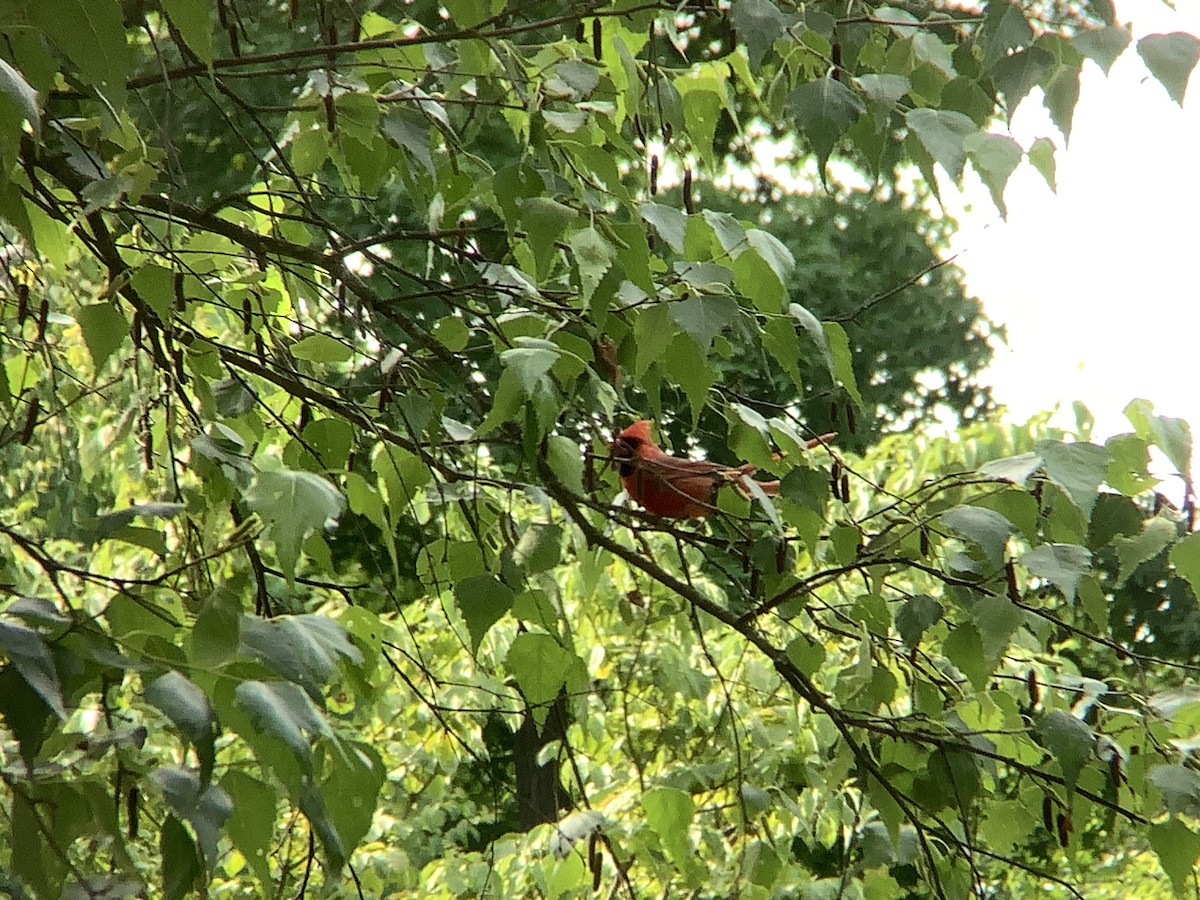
(317, 321)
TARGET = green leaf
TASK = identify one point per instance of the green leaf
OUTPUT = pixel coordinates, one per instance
(544, 221)
(530, 360)
(915, 616)
(104, 329)
(192, 19)
(1005, 28)
(1185, 557)
(964, 648)
(1156, 535)
(304, 649)
(251, 826)
(943, 133)
(232, 397)
(540, 666)
(884, 93)
(669, 222)
(691, 371)
(1016, 469)
(81, 28)
(901, 21)
(293, 504)
(704, 317)
(483, 600)
(27, 651)
(1041, 157)
(806, 655)
(322, 348)
(669, 813)
(1171, 58)
(565, 461)
(204, 807)
(1172, 436)
(842, 363)
(985, 528)
(312, 805)
(1178, 848)
(593, 257)
(995, 157)
(451, 332)
(1102, 45)
(1060, 564)
(470, 13)
(284, 711)
(1180, 788)
(351, 791)
(759, 24)
(186, 706)
(181, 863)
(824, 109)
(155, 285)
(1061, 96)
(1017, 74)
(1078, 468)
(14, 85)
(1070, 741)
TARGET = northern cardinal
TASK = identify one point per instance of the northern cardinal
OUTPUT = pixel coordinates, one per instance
(674, 487)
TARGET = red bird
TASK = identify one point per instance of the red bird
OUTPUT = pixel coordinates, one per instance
(671, 486)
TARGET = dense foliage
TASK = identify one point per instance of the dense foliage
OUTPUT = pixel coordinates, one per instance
(317, 319)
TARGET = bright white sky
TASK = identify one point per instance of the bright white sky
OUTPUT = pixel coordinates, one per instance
(1099, 284)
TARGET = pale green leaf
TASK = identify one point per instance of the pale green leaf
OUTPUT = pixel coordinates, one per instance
(995, 157)
(824, 109)
(321, 348)
(1180, 788)
(1070, 741)
(1041, 157)
(13, 84)
(985, 528)
(540, 665)
(204, 806)
(1078, 468)
(1185, 557)
(593, 257)
(305, 649)
(26, 649)
(92, 35)
(1155, 536)
(104, 330)
(1005, 28)
(1061, 95)
(293, 503)
(915, 616)
(942, 132)
(842, 362)
(704, 317)
(759, 24)
(187, 706)
(192, 18)
(1177, 848)
(669, 813)
(1017, 74)
(1171, 58)
(483, 600)
(669, 222)
(1102, 45)
(284, 711)
(1060, 564)
(1016, 469)
(1172, 436)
